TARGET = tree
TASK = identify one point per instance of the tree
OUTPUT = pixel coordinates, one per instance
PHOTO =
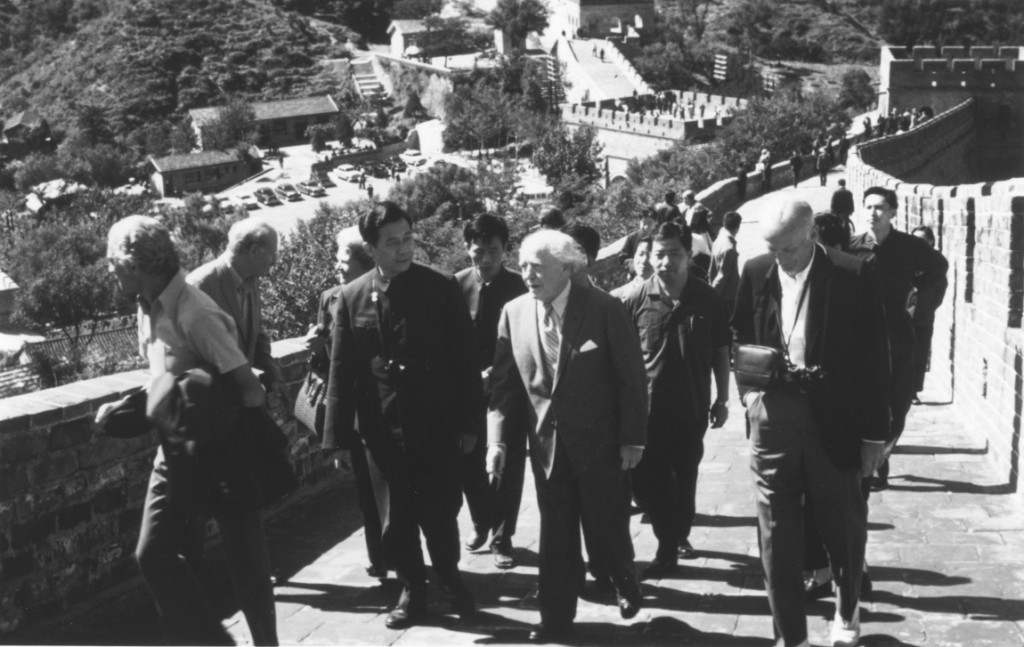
(65, 286)
(343, 129)
(857, 92)
(695, 13)
(563, 154)
(93, 124)
(444, 37)
(517, 18)
(304, 269)
(416, 9)
(423, 194)
(233, 127)
(318, 135)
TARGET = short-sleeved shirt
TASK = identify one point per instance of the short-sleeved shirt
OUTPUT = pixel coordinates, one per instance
(678, 343)
(185, 329)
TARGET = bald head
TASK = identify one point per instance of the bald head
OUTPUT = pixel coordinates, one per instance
(790, 236)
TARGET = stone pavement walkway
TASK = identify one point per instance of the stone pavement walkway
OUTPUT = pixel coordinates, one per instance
(946, 550)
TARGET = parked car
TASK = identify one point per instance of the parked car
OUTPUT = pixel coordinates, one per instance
(396, 164)
(286, 191)
(413, 158)
(311, 189)
(266, 196)
(322, 178)
(378, 170)
(347, 173)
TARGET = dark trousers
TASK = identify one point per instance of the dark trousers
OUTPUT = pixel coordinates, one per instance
(368, 508)
(494, 507)
(184, 608)
(416, 487)
(666, 481)
(922, 353)
(823, 176)
(598, 497)
(789, 462)
(903, 362)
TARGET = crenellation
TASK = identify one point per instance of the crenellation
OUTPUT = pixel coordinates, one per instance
(923, 51)
(983, 51)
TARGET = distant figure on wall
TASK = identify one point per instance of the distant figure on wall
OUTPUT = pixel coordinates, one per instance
(765, 162)
(796, 163)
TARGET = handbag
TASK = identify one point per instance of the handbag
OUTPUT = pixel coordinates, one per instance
(311, 403)
(757, 367)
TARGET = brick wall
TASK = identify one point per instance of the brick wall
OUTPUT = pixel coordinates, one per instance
(71, 501)
(978, 344)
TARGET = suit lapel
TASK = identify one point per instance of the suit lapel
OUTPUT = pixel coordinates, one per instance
(233, 297)
(817, 304)
(570, 327)
(768, 313)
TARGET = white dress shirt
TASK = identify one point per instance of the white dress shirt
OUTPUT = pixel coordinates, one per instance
(794, 312)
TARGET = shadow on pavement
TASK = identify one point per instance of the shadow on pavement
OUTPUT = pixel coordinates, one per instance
(911, 483)
(723, 521)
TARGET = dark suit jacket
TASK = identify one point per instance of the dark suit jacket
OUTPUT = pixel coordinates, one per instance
(434, 397)
(845, 336)
(842, 203)
(217, 280)
(725, 271)
(486, 311)
(598, 399)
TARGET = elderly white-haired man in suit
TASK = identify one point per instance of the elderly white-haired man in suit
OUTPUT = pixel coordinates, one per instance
(568, 368)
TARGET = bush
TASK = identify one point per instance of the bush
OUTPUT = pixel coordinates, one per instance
(304, 269)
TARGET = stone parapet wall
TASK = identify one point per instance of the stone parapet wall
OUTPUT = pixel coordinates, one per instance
(978, 343)
(939, 150)
(71, 500)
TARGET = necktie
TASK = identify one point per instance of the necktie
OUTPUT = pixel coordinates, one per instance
(550, 337)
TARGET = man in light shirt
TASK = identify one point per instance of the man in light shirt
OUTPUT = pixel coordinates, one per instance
(821, 425)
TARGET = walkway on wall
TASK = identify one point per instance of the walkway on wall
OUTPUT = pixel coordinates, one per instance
(946, 551)
(605, 74)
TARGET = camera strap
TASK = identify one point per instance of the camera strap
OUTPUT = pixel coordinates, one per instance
(796, 317)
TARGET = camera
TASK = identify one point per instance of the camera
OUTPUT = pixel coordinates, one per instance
(803, 376)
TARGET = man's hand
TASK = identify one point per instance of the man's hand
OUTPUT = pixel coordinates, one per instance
(871, 457)
(719, 414)
(468, 443)
(495, 460)
(104, 412)
(630, 456)
(343, 459)
(314, 340)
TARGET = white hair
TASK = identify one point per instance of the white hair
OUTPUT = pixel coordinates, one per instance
(247, 233)
(561, 246)
(144, 241)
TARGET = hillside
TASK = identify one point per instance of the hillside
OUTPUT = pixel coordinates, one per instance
(152, 60)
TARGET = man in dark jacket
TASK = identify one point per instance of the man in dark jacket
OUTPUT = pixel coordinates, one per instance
(403, 355)
(842, 204)
(903, 263)
(814, 432)
(487, 286)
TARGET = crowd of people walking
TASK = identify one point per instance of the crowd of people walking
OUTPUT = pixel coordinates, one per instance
(439, 388)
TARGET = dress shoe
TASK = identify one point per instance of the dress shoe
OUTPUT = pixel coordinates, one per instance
(880, 483)
(686, 550)
(503, 557)
(630, 600)
(659, 569)
(476, 541)
(846, 633)
(410, 610)
(543, 633)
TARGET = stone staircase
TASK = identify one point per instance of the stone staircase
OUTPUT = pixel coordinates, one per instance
(366, 79)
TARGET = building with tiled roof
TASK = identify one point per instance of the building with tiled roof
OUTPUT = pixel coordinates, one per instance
(280, 123)
(203, 172)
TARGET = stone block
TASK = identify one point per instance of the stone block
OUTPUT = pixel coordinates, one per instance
(101, 451)
(15, 566)
(22, 447)
(14, 480)
(69, 434)
(33, 531)
(54, 467)
(70, 405)
(109, 499)
(73, 515)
